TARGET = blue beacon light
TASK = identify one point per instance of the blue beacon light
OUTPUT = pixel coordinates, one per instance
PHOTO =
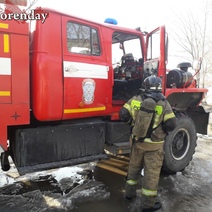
(111, 21)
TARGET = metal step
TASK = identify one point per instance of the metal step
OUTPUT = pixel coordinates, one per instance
(118, 148)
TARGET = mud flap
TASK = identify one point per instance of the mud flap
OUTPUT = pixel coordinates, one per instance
(5, 165)
(56, 146)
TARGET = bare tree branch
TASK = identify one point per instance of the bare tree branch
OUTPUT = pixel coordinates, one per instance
(192, 34)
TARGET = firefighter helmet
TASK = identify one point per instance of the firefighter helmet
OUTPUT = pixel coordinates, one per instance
(152, 83)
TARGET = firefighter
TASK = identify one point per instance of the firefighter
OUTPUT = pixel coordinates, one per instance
(151, 118)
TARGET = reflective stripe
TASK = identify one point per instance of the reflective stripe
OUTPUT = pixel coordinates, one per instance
(168, 116)
(148, 140)
(4, 26)
(127, 107)
(5, 66)
(84, 70)
(156, 121)
(132, 182)
(158, 113)
(6, 43)
(159, 109)
(135, 104)
(83, 110)
(147, 192)
(4, 93)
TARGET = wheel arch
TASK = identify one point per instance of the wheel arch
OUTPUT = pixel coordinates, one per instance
(190, 103)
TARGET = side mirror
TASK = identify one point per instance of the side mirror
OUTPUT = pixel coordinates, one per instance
(121, 46)
(197, 65)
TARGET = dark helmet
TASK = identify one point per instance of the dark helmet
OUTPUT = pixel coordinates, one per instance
(152, 83)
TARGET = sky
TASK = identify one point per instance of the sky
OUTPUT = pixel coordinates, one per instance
(147, 15)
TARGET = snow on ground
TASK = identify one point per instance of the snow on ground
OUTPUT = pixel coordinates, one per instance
(7, 178)
(65, 188)
(72, 185)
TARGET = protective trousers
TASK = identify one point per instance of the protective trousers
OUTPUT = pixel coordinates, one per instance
(150, 157)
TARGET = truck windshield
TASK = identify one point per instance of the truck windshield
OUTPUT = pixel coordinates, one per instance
(125, 44)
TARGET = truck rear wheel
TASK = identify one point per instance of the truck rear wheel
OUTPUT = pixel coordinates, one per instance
(179, 145)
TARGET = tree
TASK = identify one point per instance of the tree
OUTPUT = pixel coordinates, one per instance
(193, 33)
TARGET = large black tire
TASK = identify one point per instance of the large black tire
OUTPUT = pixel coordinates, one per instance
(179, 145)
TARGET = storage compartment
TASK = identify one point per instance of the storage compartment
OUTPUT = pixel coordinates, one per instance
(117, 132)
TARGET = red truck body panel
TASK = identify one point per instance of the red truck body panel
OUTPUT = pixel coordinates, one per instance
(46, 75)
(14, 77)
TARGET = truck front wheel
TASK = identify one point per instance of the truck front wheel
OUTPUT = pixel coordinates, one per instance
(179, 145)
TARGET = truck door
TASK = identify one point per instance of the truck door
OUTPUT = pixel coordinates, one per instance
(156, 54)
(84, 69)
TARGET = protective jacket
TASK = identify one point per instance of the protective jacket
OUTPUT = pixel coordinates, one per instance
(163, 119)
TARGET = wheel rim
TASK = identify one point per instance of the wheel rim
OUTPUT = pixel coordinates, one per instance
(180, 144)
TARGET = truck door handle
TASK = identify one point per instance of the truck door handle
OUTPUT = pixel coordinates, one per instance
(71, 69)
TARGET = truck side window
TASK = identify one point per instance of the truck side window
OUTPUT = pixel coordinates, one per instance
(153, 50)
(82, 39)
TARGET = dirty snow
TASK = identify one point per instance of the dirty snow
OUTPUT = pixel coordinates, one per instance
(76, 189)
(72, 185)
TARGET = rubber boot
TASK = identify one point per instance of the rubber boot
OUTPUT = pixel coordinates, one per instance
(156, 207)
(130, 191)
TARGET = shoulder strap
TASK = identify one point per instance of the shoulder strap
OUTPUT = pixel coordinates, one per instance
(150, 130)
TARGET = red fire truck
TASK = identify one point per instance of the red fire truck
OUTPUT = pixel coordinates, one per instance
(63, 82)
